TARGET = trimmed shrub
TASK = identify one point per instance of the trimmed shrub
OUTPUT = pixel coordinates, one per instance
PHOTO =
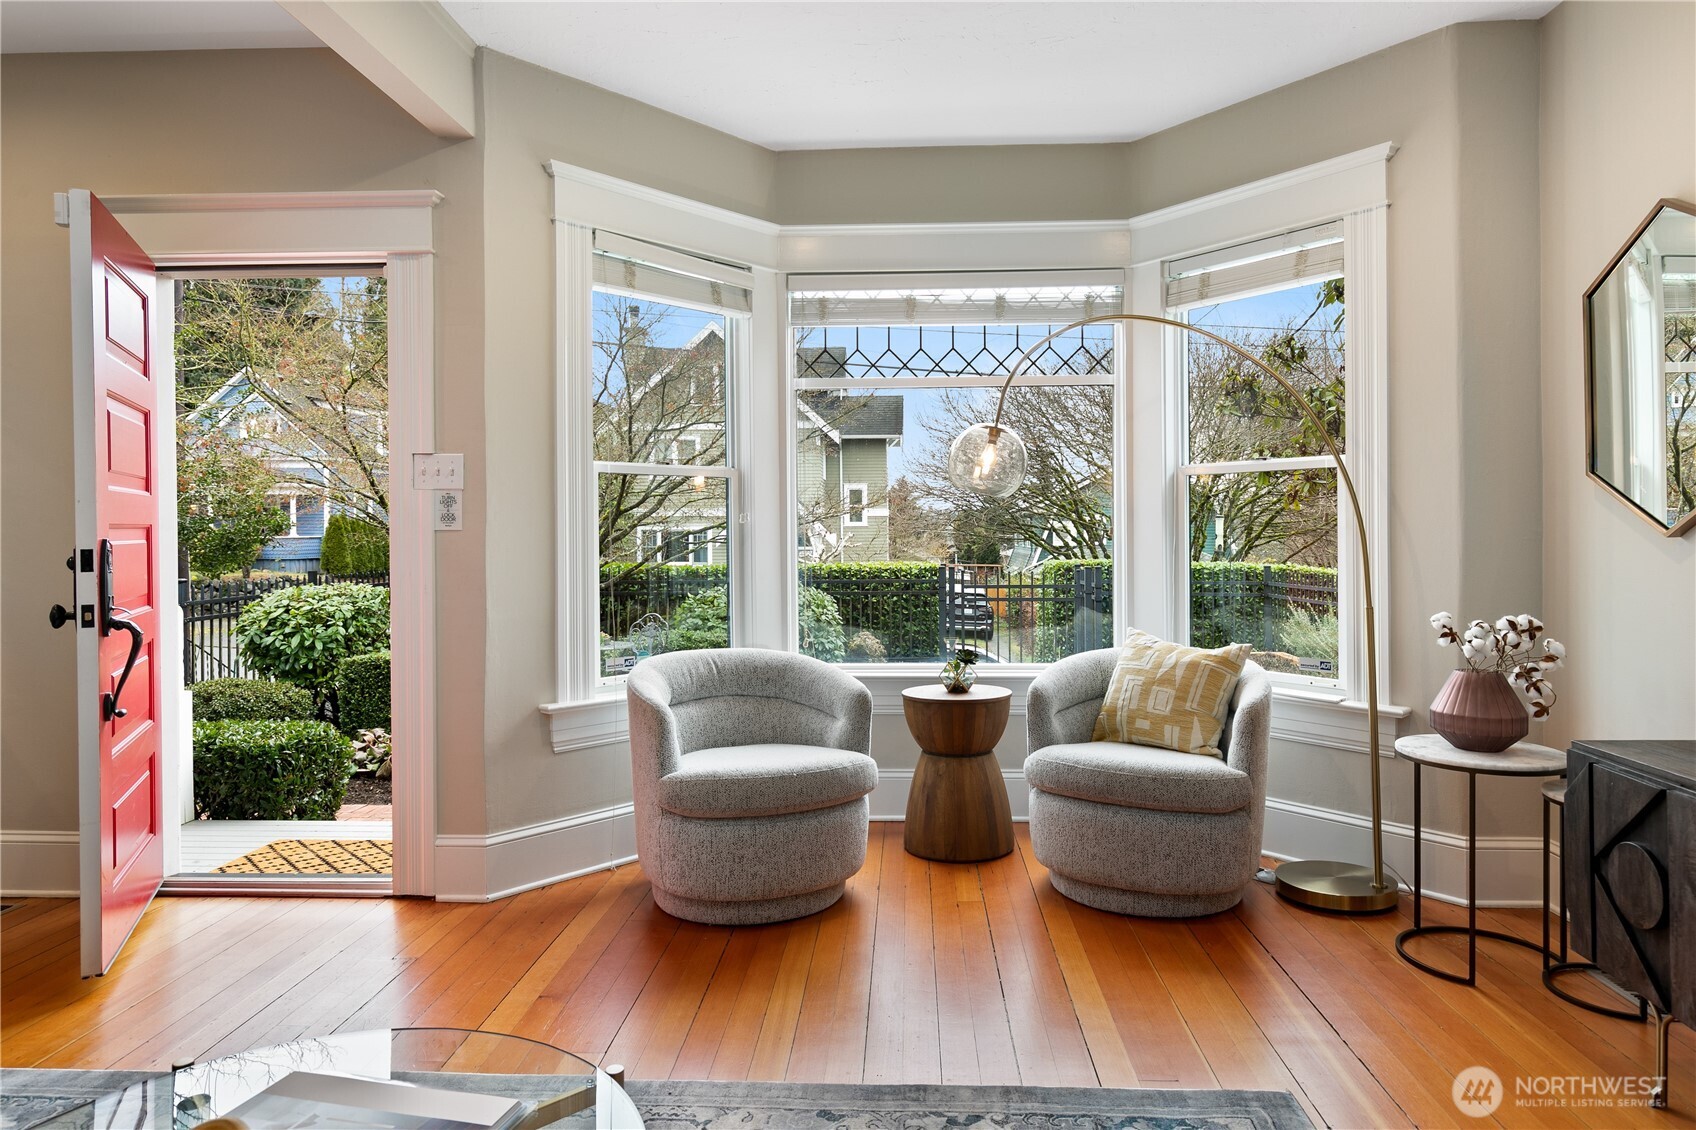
(1242, 602)
(822, 636)
(864, 647)
(353, 547)
(899, 602)
(270, 770)
(362, 692)
(250, 700)
(703, 620)
(301, 633)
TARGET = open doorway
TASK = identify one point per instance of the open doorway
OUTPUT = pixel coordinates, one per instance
(285, 771)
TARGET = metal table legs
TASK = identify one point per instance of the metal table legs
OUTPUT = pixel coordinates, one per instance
(1470, 930)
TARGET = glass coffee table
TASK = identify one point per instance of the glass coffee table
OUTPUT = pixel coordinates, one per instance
(563, 1090)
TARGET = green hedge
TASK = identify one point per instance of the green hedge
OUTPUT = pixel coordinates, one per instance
(300, 633)
(1060, 575)
(353, 548)
(899, 602)
(362, 692)
(270, 770)
(249, 700)
(1242, 602)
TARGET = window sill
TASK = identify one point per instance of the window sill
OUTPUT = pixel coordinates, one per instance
(1302, 716)
(588, 723)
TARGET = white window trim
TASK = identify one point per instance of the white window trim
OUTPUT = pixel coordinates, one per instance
(1352, 186)
(848, 506)
(1354, 190)
(589, 711)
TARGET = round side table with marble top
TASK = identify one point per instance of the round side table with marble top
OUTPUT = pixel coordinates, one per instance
(1522, 759)
(957, 810)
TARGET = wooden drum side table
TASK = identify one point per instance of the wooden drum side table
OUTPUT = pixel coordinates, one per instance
(957, 810)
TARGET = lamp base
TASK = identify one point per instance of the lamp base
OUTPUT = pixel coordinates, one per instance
(1347, 888)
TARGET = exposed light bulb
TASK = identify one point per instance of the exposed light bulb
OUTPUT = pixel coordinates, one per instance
(986, 461)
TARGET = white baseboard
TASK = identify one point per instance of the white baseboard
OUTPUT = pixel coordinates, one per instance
(1508, 866)
(38, 864)
(483, 868)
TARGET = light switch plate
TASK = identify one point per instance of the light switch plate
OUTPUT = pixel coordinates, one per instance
(450, 511)
(438, 471)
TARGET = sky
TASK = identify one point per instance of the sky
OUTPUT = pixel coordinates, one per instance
(676, 325)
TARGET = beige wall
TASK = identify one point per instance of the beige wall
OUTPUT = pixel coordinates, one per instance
(1466, 531)
(1618, 133)
(530, 116)
(238, 121)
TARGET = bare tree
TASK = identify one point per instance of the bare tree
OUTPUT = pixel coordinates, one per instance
(319, 362)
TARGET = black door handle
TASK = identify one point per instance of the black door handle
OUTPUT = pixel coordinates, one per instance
(59, 615)
(110, 621)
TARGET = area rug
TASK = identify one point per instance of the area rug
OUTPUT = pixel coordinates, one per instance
(315, 857)
(29, 1096)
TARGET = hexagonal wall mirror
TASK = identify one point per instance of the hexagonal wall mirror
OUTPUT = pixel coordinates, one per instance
(1640, 355)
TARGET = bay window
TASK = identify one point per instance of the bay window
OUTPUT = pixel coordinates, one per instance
(887, 370)
(1257, 488)
(662, 375)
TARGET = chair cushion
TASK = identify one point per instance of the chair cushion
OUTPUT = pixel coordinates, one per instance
(1171, 696)
(732, 782)
(1134, 776)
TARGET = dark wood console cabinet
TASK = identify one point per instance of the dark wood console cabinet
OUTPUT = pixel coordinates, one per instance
(1629, 838)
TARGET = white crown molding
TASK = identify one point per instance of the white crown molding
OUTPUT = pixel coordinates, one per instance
(270, 201)
(586, 198)
(1324, 190)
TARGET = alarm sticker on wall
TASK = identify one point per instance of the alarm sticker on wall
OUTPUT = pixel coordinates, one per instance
(449, 512)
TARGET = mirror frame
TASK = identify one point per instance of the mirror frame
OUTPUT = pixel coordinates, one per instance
(1688, 522)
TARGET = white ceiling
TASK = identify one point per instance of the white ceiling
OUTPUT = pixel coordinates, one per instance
(28, 26)
(828, 75)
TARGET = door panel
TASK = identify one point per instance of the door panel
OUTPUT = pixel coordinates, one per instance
(121, 801)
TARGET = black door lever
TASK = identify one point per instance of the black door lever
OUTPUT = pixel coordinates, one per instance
(110, 621)
(59, 615)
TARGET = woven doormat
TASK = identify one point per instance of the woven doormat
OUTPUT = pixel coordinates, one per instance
(315, 857)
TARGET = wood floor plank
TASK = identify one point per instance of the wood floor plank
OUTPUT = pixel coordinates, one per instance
(922, 972)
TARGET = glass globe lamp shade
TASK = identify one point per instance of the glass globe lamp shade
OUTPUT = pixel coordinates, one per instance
(987, 460)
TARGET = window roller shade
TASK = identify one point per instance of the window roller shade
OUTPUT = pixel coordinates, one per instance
(629, 265)
(1312, 253)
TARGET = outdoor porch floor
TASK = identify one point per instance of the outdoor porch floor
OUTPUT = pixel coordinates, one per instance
(209, 844)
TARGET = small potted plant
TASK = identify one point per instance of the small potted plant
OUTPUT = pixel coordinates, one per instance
(1477, 708)
(958, 674)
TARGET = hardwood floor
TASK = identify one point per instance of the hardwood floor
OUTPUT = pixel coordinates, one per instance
(925, 972)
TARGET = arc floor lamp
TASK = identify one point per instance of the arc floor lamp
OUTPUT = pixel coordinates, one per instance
(990, 460)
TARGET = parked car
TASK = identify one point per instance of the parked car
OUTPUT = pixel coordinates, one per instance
(967, 611)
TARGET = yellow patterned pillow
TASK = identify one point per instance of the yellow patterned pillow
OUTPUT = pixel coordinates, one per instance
(1170, 696)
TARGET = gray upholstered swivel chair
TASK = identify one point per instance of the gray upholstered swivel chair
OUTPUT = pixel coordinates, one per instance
(751, 774)
(1136, 830)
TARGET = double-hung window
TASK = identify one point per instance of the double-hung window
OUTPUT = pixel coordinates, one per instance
(895, 563)
(664, 369)
(1257, 488)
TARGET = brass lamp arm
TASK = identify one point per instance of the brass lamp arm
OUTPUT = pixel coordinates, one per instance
(1331, 449)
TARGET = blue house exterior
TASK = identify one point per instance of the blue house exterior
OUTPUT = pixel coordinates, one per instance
(241, 413)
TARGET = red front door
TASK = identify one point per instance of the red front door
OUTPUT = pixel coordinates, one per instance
(118, 418)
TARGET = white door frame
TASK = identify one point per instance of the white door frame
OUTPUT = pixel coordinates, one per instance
(317, 230)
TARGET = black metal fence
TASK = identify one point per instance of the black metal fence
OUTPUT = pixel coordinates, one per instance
(210, 609)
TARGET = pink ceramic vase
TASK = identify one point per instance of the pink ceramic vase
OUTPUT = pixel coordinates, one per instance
(1479, 711)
